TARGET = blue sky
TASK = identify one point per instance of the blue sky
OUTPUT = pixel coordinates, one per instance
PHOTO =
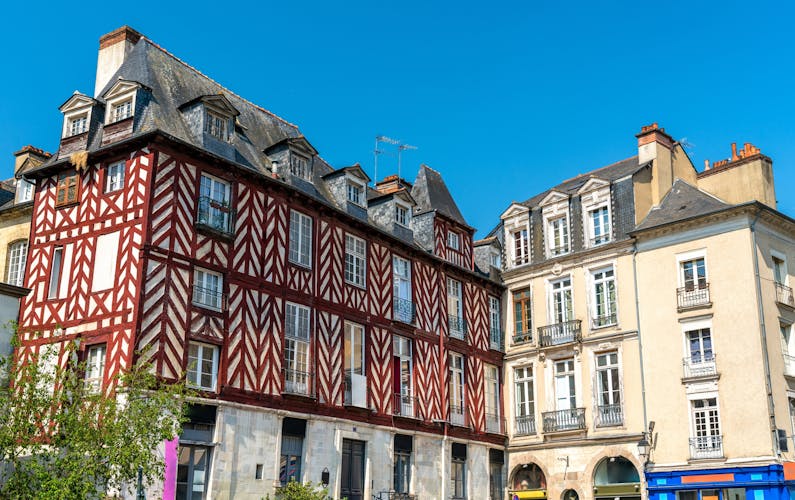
(505, 99)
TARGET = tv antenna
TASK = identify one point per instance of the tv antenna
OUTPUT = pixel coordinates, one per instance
(380, 140)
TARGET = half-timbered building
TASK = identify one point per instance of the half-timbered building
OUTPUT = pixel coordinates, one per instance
(337, 330)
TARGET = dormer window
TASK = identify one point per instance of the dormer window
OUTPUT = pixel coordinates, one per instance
(453, 240)
(122, 110)
(77, 114)
(78, 124)
(24, 191)
(558, 232)
(299, 167)
(215, 125)
(555, 211)
(597, 219)
(402, 215)
(121, 100)
(355, 193)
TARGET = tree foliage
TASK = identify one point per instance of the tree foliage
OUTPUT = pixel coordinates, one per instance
(61, 438)
(294, 490)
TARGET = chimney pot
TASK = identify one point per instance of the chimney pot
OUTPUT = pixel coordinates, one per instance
(706, 164)
(734, 151)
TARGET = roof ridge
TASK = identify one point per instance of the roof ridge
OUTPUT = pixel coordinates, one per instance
(256, 106)
(591, 172)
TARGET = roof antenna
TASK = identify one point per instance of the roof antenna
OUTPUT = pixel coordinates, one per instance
(401, 148)
(386, 140)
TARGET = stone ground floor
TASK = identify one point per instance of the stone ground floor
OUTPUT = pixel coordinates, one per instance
(233, 451)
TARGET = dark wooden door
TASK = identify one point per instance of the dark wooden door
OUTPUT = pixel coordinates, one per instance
(352, 469)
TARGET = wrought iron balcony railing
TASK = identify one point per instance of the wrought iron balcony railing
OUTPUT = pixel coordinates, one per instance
(609, 415)
(700, 365)
(458, 416)
(522, 337)
(524, 426)
(404, 310)
(494, 423)
(693, 295)
(297, 382)
(495, 339)
(604, 320)
(406, 405)
(209, 297)
(560, 333)
(784, 295)
(216, 216)
(706, 447)
(564, 420)
(458, 327)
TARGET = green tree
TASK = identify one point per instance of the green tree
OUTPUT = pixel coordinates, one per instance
(294, 490)
(63, 439)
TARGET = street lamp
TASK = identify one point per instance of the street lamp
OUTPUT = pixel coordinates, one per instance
(644, 447)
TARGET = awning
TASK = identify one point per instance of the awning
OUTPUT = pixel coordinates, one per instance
(524, 495)
(614, 490)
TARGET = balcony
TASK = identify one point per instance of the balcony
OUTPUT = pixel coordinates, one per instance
(522, 338)
(458, 327)
(406, 405)
(561, 250)
(215, 217)
(609, 415)
(297, 382)
(209, 297)
(603, 321)
(564, 420)
(599, 240)
(495, 339)
(403, 310)
(698, 366)
(692, 296)
(458, 416)
(789, 365)
(784, 295)
(706, 447)
(524, 426)
(355, 390)
(494, 424)
(560, 333)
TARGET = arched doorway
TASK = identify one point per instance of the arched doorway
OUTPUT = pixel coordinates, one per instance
(528, 482)
(616, 478)
(570, 495)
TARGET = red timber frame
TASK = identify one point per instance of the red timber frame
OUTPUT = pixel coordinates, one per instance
(150, 308)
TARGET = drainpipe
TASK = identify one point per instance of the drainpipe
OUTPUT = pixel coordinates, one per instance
(640, 342)
(763, 336)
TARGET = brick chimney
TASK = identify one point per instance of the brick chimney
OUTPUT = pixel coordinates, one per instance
(747, 175)
(113, 49)
(392, 183)
(650, 139)
(37, 155)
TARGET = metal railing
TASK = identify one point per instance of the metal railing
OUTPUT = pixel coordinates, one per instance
(393, 495)
(784, 295)
(215, 215)
(706, 447)
(522, 337)
(457, 416)
(609, 415)
(700, 366)
(560, 333)
(789, 365)
(495, 339)
(208, 297)
(605, 320)
(564, 420)
(406, 405)
(692, 296)
(494, 423)
(524, 426)
(458, 327)
(403, 310)
(297, 382)
(600, 240)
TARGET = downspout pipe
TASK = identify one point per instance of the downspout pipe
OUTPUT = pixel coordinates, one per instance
(763, 337)
(640, 337)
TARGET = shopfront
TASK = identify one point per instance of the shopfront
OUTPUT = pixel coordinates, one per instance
(771, 482)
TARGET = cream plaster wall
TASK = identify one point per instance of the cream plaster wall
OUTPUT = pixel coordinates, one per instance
(12, 228)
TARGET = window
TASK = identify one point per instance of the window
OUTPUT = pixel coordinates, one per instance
(706, 441)
(494, 259)
(402, 474)
(299, 167)
(78, 124)
(356, 193)
(522, 324)
(458, 471)
(215, 124)
(496, 461)
(787, 348)
(55, 273)
(562, 311)
(401, 290)
(17, 255)
(599, 225)
(495, 333)
(121, 110)
(114, 176)
(492, 382)
(779, 270)
(193, 472)
(558, 236)
(25, 191)
(208, 289)
(694, 274)
(455, 308)
(354, 260)
(521, 247)
(290, 459)
(699, 344)
(95, 367)
(355, 377)
(214, 204)
(565, 392)
(296, 349)
(604, 298)
(608, 390)
(404, 397)
(300, 239)
(453, 240)
(66, 191)
(402, 215)
(202, 365)
(456, 389)
(525, 422)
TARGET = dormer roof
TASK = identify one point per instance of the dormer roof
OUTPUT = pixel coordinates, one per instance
(554, 196)
(218, 101)
(431, 193)
(402, 194)
(514, 210)
(76, 101)
(592, 184)
(354, 170)
(122, 86)
(299, 143)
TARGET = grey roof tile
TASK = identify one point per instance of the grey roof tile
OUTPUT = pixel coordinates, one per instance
(431, 193)
(682, 201)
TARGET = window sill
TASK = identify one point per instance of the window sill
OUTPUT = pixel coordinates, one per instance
(361, 287)
(301, 266)
(207, 306)
(68, 204)
(121, 120)
(595, 328)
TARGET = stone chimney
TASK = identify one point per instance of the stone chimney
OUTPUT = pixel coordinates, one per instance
(392, 183)
(36, 155)
(747, 175)
(113, 49)
(650, 139)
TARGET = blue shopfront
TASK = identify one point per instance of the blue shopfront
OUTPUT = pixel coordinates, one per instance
(768, 482)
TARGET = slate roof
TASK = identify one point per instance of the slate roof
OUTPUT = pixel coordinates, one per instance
(8, 194)
(431, 193)
(682, 201)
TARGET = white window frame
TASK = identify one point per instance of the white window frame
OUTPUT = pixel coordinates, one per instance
(300, 245)
(402, 351)
(194, 368)
(114, 176)
(692, 411)
(25, 191)
(610, 308)
(201, 292)
(56, 270)
(495, 321)
(615, 394)
(455, 304)
(567, 313)
(521, 246)
(120, 110)
(402, 214)
(216, 218)
(683, 258)
(453, 240)
(523, 380)
(457, 384)
(95, 367)
(17, 259)
(401, 289)
(354, 192)
(216, 124)
(355, 343)
(494, 259)
(560, 231)
(782, 257)
(72, 129)
(355, 260)
(300, 166)
(491, 390)
(570, 374)
(297, 344)
(607, 226)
